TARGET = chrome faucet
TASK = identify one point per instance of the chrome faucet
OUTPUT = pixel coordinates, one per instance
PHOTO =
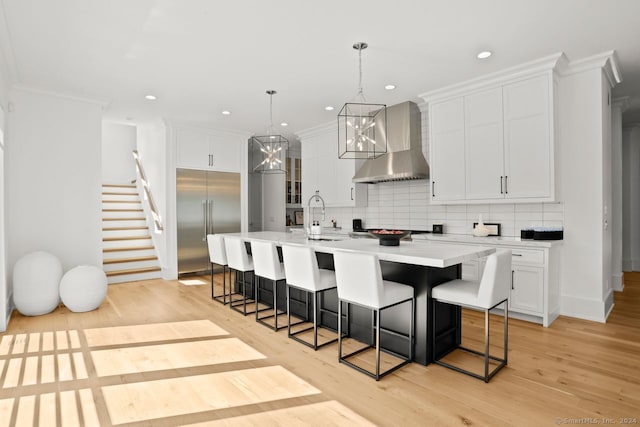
(317, 198)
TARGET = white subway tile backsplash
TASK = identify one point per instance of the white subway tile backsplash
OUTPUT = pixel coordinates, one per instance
(553, 207)
(553, 216)
(529, 207)
(502, 207)
(437, 209)
(451, 216)
(477, 209)
(456, 209)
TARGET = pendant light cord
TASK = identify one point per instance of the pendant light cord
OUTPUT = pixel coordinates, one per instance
(360, 95)
(271, 110)
(360, 73)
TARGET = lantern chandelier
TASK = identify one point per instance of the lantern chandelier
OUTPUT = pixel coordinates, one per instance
(362, 127)
(269, 151)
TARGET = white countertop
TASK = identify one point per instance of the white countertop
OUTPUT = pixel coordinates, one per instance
(493, 241)
(416, 253)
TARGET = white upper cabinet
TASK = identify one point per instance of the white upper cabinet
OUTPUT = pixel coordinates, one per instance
(527, 139)
(483, 145)
(494, 142)
(200, 148)
(447, 150)
(324, 172)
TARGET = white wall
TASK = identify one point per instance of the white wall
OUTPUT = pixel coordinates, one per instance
(631, 198)
(118, 141)
(5, 309)
(54, 178)
(152, 147)
(5, 300)
(616, 194)
(581, 157)
(273, 202)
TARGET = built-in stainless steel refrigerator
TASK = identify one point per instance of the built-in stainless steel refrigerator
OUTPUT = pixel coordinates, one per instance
(207, 203)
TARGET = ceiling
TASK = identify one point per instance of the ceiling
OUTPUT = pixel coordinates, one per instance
(200, 57)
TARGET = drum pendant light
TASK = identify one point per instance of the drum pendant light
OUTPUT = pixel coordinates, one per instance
(362, 127)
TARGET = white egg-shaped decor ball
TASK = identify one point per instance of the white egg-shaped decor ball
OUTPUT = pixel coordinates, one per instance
(36, 281)
(83, 288)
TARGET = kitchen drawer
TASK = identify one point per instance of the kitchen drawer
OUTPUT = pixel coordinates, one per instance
(527, 256)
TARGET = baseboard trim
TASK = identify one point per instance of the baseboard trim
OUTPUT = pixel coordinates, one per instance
(584, 308)
(617, 282)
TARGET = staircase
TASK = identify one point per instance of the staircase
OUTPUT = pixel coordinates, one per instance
(128, 253)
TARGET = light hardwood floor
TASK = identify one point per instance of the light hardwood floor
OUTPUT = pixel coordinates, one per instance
(221, 368)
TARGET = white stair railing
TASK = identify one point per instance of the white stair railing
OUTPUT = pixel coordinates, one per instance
(147, 193)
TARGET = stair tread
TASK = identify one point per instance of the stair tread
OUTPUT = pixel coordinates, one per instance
(132, 259)
(132, 271)
(123, 228)
(114, 239)
(124, 219)
(121, 201)
(119, 185)
(124, 249)
(121, 210)
(117, 193)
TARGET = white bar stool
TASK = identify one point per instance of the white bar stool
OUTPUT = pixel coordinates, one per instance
(301, 269)
(268, 266)
(491, 291)
(359, 280)
(218, 255)
(240, 261)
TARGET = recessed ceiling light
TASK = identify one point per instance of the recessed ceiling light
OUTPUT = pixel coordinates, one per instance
(484, 54)
(390, 87)
(284, 124)
(226, 112)
(151, 97)
(328, 108)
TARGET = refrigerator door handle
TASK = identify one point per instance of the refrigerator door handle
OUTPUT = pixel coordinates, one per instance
(205, 207)
(210, 217)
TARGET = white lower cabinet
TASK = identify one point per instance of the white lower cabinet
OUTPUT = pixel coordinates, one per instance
(534, 293)
(527, 290)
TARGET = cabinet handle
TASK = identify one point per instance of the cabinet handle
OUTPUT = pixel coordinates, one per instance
(433, 189)
(516, 254)
(512, 272)
(506, 185)
(501, 191)
(205, 206)
(351, 193)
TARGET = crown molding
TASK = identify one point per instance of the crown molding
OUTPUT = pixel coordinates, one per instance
(317, 130)
(185, 124)
(607, 61)
(102, 102)
(622, 103)
(527, 69)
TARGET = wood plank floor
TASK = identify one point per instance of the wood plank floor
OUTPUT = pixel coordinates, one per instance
(573, 372)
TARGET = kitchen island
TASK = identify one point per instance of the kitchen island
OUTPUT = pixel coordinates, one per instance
(422, 265)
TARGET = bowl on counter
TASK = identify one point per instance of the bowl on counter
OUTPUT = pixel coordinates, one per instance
(389, 237)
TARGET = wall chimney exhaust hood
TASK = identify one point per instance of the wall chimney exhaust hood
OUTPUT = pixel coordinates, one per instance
(404, 159)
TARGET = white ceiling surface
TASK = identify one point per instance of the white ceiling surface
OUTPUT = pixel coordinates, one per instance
(200, 57)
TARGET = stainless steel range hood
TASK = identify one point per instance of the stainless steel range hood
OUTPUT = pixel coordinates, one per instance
(404, 159)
